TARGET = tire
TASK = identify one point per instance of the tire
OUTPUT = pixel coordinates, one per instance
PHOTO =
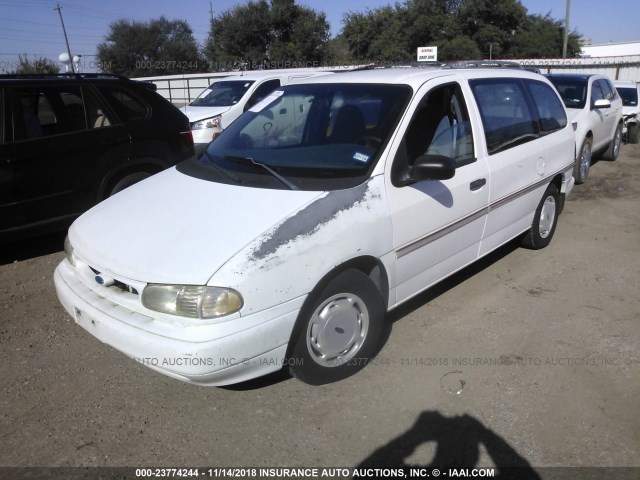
(583, 162)
(544, 221)
(339, 331)
(633, 133)
(127, 182)
(611, 153)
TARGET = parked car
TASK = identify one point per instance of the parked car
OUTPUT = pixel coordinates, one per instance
(325, 205)
(226, 99)
(596, 111)
(629, 92)
(69, 141)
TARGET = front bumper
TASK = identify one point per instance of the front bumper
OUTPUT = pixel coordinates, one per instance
(213, 355)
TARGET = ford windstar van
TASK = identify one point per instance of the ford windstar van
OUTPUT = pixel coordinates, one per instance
(324, 206)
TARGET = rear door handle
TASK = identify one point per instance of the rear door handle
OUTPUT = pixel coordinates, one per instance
(477, 184)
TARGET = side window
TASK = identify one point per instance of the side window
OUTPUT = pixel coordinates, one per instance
(441, 126)
(607, 89)
(128, 107)
(262, 91)
(506, 116)
(2, 139)
(551, 113)
(51, 111)
(97, 116)
(596, 92)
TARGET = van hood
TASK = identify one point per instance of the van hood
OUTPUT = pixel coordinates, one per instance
(196, 114)
(176, 229)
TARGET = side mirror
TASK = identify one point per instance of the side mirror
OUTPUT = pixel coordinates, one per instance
(602, 103)
(428, 167)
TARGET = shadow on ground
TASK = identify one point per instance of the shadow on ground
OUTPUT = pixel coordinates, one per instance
(457, 446)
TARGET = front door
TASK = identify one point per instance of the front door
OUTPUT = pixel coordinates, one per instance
(437, 225)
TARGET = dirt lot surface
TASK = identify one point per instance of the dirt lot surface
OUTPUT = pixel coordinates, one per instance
(528, 358)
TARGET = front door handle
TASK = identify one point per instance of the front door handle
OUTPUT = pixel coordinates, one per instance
(477, 184)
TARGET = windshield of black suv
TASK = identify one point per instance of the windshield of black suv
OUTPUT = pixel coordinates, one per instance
(629, 96)
(572, 90)
(307, 136)
(222, 94)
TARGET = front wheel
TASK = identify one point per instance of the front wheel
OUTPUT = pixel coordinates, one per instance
(544, 221)
(340, 331)
(583, 162)
(611, 153)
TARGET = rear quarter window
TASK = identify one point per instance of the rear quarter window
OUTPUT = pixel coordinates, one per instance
(128, 107)
(551, 113)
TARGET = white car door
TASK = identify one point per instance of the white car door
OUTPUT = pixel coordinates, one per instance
(437, 224)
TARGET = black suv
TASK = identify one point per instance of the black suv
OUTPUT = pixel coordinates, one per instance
(69, 141)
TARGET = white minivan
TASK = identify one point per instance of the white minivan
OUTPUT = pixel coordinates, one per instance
(229, 97)
(324, 206)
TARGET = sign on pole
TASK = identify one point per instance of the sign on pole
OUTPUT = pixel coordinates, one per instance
(427, 54)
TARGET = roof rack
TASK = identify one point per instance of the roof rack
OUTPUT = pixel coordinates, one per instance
(62, 75)
(482, 64)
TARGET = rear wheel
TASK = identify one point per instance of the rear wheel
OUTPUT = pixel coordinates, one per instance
(611, 153)
(544, 221)
(127, 181)
(583, 162)
(340, 331)
(633, 132)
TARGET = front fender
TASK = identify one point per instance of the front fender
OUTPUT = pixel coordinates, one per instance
(289, 260)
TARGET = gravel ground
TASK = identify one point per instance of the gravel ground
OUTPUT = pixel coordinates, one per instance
(528, 358)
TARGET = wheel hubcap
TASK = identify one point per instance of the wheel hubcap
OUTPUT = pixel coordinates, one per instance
(547, 216)
(337, 330)
(616, 144)
(585, 161)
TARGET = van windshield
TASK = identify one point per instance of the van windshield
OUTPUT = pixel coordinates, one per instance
(222, 94)
(316, 136)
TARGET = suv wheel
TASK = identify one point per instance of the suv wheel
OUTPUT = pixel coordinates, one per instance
(127, 181)
(633, 133)
(614, 148)
(583, 162)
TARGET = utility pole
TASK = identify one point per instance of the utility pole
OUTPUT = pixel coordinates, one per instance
(566, 31)
(64, 30)
(211, 11)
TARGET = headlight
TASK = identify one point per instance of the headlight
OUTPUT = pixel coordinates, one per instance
(68, 251)
(191, 300)
(213, 122)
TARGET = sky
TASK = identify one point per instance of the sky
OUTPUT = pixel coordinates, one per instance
(33, 26)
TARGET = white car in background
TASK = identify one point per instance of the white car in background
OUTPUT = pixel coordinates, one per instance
(226, 99)
(595, 109)
(630, 92)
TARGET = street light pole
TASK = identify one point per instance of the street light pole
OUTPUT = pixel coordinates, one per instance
(566, 31)
(64, 30)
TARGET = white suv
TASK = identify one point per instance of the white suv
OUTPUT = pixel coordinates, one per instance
(630, 92)
(595, 109)
(226, 99)
(327, 204)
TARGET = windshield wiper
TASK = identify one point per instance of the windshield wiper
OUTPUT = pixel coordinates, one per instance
(251, 161)
(220, 169)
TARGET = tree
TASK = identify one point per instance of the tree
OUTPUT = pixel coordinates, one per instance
(143, 49)
(39, 65)
(259, 34)
(542, 37)
(462, 29)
